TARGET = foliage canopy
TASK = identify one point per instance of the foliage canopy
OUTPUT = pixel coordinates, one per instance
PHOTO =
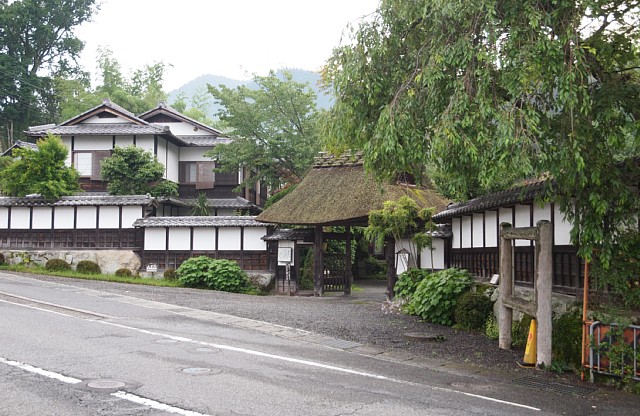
(133, 171)
(40, 171)
(273, 129)
(487, 91)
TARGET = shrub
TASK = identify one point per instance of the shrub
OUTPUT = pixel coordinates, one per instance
(408, 281)
(435, 297)
(472, 310)
(170, 274)
(566, 339)
(224, 275)
(88, 267)
(1, 258)
(520, 331)
(491, 327)
(123, 272)
(57, 265)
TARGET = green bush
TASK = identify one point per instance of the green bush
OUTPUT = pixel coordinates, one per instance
(435, 297)
(1, 258)
(472, 310)
(223, 275)
(408, 281)
(170, 274)
(520, 331)
(88, 267)
(123, 272)
(491, 327)
(305, 282)
(57, 265)
(566, 338)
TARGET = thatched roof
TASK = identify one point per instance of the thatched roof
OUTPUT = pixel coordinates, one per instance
(337, 191)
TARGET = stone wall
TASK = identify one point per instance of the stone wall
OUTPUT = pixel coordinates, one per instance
(108, 260)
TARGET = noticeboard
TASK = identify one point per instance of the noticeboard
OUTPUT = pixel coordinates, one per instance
(285, 255)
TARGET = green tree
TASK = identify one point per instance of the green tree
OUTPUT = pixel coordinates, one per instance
(138, 93)
(487, 89)
(37, 43)
(134, 171)
(273, 129)
(40, 171)
(196, 107)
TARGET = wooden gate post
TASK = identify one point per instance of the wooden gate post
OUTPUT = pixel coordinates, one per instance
(543, 286)
(389, 256)
(318, 262)
(505, 286)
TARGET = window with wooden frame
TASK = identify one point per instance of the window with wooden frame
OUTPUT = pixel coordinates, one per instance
(199, 174)
(87, 163)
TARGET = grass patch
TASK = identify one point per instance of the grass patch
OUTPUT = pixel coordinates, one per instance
(102, 277)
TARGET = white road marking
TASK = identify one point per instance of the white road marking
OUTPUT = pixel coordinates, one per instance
(313, 364)
(42, 372)
(154, 404)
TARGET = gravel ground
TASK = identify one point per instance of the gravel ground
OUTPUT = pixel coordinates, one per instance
(360, 317)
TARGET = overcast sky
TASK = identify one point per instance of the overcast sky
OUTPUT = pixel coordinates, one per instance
(233, 38)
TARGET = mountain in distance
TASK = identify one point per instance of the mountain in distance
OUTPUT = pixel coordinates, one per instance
(197, 85)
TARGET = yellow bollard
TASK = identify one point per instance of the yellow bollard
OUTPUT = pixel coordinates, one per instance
(530, 353)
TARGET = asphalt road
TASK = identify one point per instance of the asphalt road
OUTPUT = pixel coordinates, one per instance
(72, 350)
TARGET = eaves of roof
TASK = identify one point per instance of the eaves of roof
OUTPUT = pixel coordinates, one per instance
(212, 221)
(165, 108)
(79, 200)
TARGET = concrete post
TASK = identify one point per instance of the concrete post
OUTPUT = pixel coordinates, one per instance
(505, 286)
(543, 284)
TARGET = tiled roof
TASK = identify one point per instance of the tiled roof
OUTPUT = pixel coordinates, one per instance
(326, 160)
(520, 194)
(20, 144)
(221, 221)
(291, 235)
(204, 140)
(235, 203)
(78, 200)
(106, 103)
(100, 130)
(164, 107)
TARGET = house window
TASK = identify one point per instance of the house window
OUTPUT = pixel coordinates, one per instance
(199, 173)
(88, 163)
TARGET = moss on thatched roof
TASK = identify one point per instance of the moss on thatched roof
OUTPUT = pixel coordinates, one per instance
(333, 194)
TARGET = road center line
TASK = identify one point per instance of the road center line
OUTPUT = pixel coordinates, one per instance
(42, 372)
(311, 364)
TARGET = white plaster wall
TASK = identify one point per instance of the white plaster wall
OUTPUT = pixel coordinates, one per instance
(130, 214)
(110, 120)
(20, 218)
(86, 217)
(124, 141)
(491, 228)
(63, 219)
(541, 212)
(204, 238)
(505, 215)
(561, 228)
(93, 143)
(155, 239)
(455, 229)
(109, 217)
(4, 217)
(438, 255)
(466, 232)
(253, 238)
(194, 154)
(180, 238)
(41, 218)
(523, 219)
(401, 264)
(66, 140)
(173, 158)
(145, 142)
(229, 238)
(287, 244)
(478, 230)
(162, 154)
(181, 128)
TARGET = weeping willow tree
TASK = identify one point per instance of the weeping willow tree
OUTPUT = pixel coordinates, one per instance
(480, 93)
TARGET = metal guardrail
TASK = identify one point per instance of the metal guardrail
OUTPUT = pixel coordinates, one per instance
(623, 341)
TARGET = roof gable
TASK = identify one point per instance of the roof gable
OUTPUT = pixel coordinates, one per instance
(164, 113)
(107, 110)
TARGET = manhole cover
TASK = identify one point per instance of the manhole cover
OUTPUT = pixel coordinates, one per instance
(553, 386)
(166, 341)
(106, 384)
(424, 336)
(200, 370)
